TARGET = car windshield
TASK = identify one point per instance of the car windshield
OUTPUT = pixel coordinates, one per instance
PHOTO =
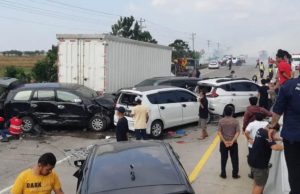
(87, 92)
(147, 82)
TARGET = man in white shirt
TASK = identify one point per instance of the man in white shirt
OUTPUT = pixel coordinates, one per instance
(252, 129)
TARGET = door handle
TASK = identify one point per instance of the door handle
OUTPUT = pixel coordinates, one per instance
(233, 94)
(60, 106)
(183, 105)
(33, 105)
(251, 94)
(162, 108)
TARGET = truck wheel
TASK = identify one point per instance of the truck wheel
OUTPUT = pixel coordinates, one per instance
(157, 128)
(97, 123)
(28, 124)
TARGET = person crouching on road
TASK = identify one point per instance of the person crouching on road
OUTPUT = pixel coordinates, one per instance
(140, 115)
(122, 125)
(39, 179)
(203, 114)
(229, 131)
(15, 128)
(259, 157)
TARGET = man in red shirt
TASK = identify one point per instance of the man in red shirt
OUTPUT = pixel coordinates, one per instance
(15, 128)
(284, 69)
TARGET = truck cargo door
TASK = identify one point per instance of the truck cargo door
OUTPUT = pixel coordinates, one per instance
(93, 65)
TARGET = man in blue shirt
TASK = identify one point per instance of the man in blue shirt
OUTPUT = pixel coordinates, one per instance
(288, 104)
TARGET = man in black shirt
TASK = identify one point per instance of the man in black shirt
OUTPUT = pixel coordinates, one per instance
(122, 125)
(263, 95)
(259, 158)
(203, 114)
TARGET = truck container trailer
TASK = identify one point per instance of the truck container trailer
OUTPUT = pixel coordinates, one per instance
(108, 63)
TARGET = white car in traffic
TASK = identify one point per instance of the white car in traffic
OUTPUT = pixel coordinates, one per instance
(214, 65)
(224, 92)
(168, 107)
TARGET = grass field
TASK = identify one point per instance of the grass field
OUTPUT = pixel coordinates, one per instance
(24, 62)
(19, 61)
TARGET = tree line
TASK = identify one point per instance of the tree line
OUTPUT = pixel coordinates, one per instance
(23, 53)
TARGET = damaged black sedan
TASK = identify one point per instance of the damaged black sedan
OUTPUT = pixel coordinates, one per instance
(57, 104)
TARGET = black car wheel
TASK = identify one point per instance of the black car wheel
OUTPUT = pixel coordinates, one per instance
(28, 124)
(97, 123)
(157, 128)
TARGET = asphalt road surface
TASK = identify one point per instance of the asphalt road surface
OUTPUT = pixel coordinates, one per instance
(201, 159)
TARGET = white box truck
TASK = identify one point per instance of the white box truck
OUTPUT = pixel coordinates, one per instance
(108, 63)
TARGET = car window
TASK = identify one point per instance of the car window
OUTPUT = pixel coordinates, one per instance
(226, 87)
(153, 98)
(183, 96)
(204, 87)
(166, 97)
(165, 83)
(128, 99)
(87, 92)
(63, 96)
(178, 83)
(251, 86)
(147, 82)
(23, 95)
(44, 95)
(239, 87)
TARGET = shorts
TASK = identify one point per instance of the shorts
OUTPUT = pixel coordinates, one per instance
(203, 123)
(260, 176)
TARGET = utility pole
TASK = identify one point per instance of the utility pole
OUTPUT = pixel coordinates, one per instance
(208, 45)
(141, 23)
(193, 41)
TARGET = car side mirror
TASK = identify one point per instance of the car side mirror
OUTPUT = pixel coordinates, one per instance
(78, 163)
(77, 100)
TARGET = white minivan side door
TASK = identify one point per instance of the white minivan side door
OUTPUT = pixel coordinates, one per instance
(190, 106)
(170, 110)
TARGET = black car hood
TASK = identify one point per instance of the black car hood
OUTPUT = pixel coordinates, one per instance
(106, 102)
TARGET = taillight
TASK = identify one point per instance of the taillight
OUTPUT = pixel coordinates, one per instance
(213, 93)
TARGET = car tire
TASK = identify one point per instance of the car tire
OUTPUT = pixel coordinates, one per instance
(231, 107)
(98, 123)
(157, 128)
(28, 124)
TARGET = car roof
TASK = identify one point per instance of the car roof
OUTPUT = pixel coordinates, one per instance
(150, 88)
(150, 162)
(51, 85)
(222, 80)
(172, 78)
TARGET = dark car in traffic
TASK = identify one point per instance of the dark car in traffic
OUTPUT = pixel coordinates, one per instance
(189, 83)
(132, 167)
(7, 84)
(57, 104)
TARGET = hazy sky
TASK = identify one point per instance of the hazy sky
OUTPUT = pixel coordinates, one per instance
(242, 26)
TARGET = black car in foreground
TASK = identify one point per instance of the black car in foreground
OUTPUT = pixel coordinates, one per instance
(56, 104)
(132, 167)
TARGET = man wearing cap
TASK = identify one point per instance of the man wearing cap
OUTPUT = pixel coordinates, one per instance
(140, 116)
(122, 125)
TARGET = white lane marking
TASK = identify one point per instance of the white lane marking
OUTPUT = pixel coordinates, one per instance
(58, 162)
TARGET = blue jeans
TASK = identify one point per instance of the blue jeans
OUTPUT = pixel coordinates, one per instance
(4, 133)
(141, 134)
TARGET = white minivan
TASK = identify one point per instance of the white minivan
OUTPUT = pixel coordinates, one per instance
(168, 106)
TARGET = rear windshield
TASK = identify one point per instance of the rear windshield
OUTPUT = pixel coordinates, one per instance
(128, 99)
(206, 88)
